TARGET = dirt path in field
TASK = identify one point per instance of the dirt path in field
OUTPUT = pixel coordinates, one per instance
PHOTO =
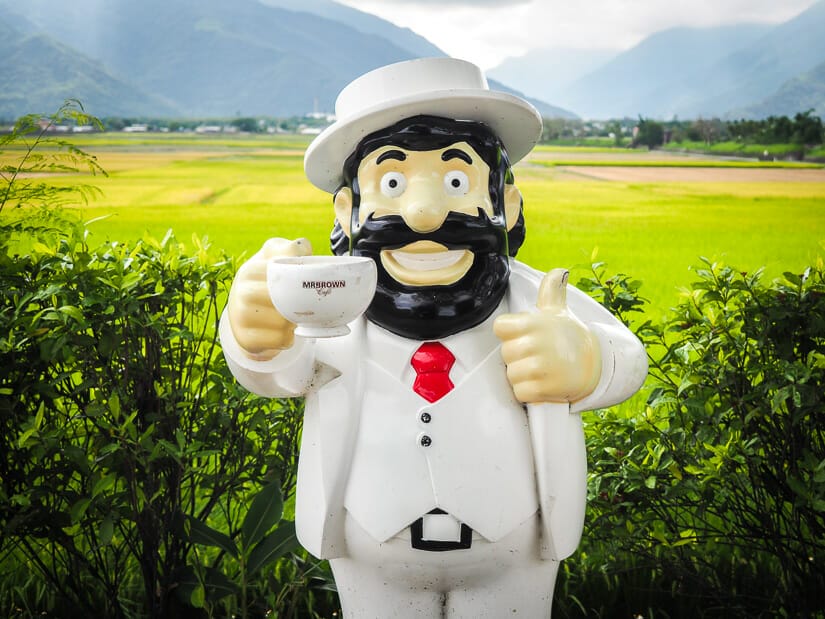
(694, 175)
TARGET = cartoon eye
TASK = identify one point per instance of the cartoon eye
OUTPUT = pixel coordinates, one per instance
(393, 184)
(456, 183)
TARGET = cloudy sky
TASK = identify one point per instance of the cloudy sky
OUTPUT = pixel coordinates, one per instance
(488, 31)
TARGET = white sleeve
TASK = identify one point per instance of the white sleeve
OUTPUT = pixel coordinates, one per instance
(624, 359)
(624, 367)
(288, 374)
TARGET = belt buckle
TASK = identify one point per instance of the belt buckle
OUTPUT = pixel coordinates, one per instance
(418, 543)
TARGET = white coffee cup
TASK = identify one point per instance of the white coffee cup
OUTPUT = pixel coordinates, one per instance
(321, 294)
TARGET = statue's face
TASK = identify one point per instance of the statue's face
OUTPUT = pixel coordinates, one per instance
(423, 187)
(426, 217)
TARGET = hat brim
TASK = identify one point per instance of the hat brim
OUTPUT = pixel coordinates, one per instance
(516, 123)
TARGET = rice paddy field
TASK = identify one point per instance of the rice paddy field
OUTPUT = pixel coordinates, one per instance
(647, 214)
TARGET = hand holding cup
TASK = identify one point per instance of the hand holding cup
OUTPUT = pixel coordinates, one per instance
(258, 327)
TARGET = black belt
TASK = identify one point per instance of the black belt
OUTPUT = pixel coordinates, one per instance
(417, 530)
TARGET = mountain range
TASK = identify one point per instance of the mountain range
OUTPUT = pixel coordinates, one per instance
(212, 58)
(742, 70)
(194, 58)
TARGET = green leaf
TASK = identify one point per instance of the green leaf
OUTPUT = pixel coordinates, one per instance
(218, 585)
(72, 311)
(186, 583)
(266, 510)
(103, 484)
(79, 509)
(106, 531)
(114, 405)
(201, 533)
(198, 596)
(275, 545)
(34, 429)
(21, 442)
(38, 418)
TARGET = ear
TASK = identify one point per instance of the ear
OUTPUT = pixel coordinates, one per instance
(343, 208)
(512, 205)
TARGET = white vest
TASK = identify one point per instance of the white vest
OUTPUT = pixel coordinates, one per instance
(473, 459)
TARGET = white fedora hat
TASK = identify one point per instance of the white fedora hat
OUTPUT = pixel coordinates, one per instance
(444, 87)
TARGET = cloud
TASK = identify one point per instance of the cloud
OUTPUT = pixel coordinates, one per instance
(489, 31)
(471, 4)
(622, 24)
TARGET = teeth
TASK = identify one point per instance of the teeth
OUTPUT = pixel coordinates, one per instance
(428, 261)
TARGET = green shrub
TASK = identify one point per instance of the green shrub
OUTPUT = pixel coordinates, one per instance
(136, 477)
(709, 500)
(130, 458)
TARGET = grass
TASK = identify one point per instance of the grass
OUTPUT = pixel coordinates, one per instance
(738, 148)
(656, 232)
(97, 141)
(590, 145)
(239, 191)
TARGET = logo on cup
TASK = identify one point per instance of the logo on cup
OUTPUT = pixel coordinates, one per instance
(324, 287)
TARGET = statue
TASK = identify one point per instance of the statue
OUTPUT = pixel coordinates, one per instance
(442, 468)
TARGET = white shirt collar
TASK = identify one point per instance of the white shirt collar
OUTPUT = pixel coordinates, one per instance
(470, 347)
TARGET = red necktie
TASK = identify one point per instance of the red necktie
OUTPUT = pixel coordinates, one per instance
(432, 362)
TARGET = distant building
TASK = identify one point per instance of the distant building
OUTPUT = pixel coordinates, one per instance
(136, 128)
(321, 116)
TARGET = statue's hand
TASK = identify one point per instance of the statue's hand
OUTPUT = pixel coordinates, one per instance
(551, 355)
(257, 326)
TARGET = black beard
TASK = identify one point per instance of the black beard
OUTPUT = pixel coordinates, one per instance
(434, 312)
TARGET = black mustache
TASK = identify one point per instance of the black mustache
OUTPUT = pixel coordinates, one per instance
(433, 312)
(478, 233)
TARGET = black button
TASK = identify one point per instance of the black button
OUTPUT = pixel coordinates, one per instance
(425, 417)
(426, 441)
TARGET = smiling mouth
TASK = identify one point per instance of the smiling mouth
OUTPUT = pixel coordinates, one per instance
(425, 263)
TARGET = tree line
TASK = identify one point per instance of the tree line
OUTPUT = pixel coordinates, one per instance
(804, 128)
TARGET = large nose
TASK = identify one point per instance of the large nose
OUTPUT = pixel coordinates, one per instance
(423, 208)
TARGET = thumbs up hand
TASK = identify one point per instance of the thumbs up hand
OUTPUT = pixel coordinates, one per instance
(551, 355)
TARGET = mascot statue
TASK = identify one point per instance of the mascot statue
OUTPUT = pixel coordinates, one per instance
(442, 468)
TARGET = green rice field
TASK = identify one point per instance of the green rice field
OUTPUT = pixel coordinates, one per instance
(633, 210)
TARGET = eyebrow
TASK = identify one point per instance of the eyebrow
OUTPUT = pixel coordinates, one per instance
(455, 153)
(391, 154)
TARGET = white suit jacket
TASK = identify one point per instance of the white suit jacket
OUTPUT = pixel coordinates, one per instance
(331, 374)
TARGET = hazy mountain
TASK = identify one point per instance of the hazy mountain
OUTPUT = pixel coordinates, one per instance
(38, 74)
(548, 73)
(800, 94)
(212, 57)
(685, 72)
(658, 76)
(405, 38)
(207, 57)
(289, 57)
(417, 45)
(758, 70)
